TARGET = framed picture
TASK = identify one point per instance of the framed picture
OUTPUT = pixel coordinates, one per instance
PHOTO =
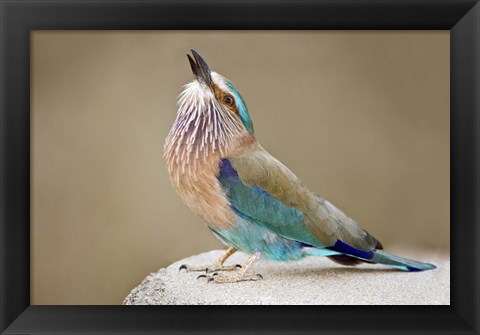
(56, 34)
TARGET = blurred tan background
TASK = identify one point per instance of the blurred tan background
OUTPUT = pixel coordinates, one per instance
(361, 117)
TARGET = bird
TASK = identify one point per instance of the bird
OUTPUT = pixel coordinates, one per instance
(248, 199)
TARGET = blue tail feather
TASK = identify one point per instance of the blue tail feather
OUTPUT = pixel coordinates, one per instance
(401, 263)
(346, 249)
(381, 257)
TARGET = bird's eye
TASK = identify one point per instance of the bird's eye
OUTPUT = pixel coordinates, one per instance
(228, 99)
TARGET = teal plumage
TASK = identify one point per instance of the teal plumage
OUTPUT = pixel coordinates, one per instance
(249, 199)
(257, 206)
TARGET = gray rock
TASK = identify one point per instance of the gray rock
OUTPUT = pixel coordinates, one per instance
(310, 281)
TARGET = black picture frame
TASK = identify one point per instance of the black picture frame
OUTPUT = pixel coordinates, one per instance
(19, 17)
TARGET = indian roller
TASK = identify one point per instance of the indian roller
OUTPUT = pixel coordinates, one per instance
(248, 198)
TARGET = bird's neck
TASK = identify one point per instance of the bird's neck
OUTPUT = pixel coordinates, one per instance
(193, 166)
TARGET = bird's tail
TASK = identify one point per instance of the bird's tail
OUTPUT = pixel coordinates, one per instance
(349, 255)
(382, 257)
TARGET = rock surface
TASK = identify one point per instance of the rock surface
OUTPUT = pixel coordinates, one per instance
(313, 280)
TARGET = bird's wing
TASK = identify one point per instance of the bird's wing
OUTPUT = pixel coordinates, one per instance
(258, 206)
(263, 190)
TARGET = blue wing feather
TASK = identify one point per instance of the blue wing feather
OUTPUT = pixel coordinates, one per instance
(259, 207)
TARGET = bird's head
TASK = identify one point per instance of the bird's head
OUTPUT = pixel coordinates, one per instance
(212, 117)
(211, 92)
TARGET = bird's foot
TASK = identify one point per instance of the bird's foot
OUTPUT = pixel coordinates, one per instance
(209, 268)
(239, 275)
(236, 277)
(216, 266)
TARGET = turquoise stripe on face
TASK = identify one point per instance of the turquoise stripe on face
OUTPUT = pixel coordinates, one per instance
(242, 107)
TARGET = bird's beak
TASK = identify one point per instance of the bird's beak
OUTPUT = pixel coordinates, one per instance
(200, 69)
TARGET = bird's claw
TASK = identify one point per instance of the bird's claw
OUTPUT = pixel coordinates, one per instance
(231, 278)
(209, 279)
(209, 268)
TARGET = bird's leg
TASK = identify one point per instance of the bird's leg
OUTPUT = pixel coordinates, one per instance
(216, 266)
(239, 275)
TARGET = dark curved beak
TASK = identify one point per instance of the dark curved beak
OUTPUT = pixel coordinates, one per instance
(200, 69)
